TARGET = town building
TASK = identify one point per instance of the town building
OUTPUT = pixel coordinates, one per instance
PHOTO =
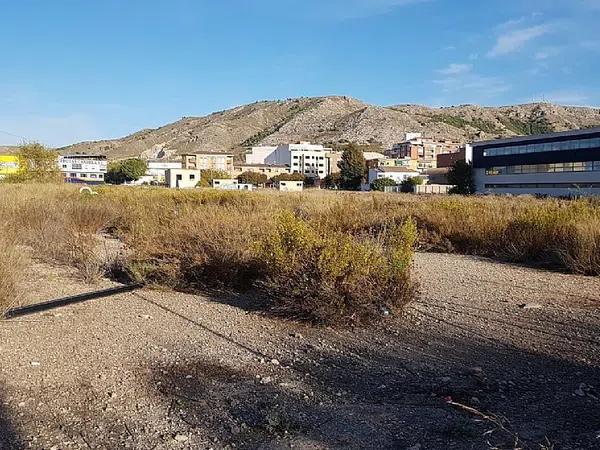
(258, 154)
(270, 170)
(447, 160)
(290, 186)
(156, 172)
(398, 174)
(230, 184)
(394, 162)
(205, 161)
(9, 164)
(424, 150)
(182, 178)
(308, 159)
(557, 164)
(82, 168)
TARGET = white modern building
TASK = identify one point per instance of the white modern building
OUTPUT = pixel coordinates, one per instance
(182, 178)
(398, 174)
(308, 159)
(231, 185)
(157, 171)
(82, 168)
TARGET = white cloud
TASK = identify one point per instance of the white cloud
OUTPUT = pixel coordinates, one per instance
(513, 40)
(463, 82)
(455, 69)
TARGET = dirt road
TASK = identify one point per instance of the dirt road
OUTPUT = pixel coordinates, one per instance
(163, 370)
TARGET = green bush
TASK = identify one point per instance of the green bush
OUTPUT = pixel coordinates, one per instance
(381, 183)
(120, 172)
(335, 278)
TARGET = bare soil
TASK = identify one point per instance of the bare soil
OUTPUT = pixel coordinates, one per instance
(165, 370)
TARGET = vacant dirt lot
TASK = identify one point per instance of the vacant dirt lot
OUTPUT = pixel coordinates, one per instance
(163, 370)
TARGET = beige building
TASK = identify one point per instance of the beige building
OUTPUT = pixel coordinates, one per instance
(412, 164)
(290, 186)
(182, 178)
(203, 161)
(424, 150)
(270, 170)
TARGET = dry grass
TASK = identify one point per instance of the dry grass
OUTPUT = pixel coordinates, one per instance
(353, 263)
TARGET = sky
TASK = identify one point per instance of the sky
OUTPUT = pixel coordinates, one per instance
(75, 70)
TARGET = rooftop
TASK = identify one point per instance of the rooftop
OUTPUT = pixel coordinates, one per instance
(273, 166)
(537, 137)
(396, 169)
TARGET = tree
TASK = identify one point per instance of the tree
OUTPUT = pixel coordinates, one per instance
(353, 167)
(332, 181)
(381, 183)
(462, 177)
(408, 184)
(251, 177)
(36, 163)
(127, 170)
(208, 175)
(288, 177)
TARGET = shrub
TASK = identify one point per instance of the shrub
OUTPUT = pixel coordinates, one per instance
(36, 164)
(381, 183)
(462, 177)
(331, 277)
(408, 184)
(353, 167)
(251, 177)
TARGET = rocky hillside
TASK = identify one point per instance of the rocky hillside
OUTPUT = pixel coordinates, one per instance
(339, 119)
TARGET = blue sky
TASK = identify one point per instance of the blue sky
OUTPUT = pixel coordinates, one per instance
(73, 70)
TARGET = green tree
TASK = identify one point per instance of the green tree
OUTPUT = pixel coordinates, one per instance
(254, 178)
(208, 175)
(462, 177)
(332, 181)
(288, 177)
(408, 184)
(36, 163)
(381, 183)
(127, 170)
(353, 168)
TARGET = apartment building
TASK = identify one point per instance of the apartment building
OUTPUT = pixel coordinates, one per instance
(424, 150)
(81, 168)
(204, 161)
(556, 164)
(156, 172)
(308, 159)
(447, 160)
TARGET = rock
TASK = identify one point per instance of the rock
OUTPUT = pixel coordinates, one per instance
(181, 438)
(415, 447)
(266, 380)
(580, 391)
(297, 335)
(530, 306)
(35, 364)
(275, 362)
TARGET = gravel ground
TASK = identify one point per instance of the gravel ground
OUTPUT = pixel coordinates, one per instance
(164, 370)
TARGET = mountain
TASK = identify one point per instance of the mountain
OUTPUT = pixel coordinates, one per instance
(338, 119)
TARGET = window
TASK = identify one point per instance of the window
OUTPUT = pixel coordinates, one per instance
(178, 177)
(64, 166)
(93, 175)
(73, 175)
(583, 166)
(101, 176)
(77, 166)
(192, 176)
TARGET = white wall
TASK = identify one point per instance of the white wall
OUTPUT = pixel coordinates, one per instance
(182, 178)
(259, 154)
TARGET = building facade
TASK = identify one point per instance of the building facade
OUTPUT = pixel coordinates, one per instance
(89, 169)
(9, 164)
(270, 170)
(156, 172)
(205, 161)
(423, 150)
(556, 164)
(398, 174)
(311, 160)
(182, 178)
(231, 185)
(290, 186)
(447, 160)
